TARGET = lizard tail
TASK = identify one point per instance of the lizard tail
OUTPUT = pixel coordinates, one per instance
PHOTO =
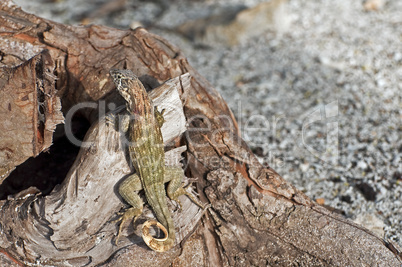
(157, 244)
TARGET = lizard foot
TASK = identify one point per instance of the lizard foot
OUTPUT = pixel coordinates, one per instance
(192, 197)
(129, 214)
(183, 191)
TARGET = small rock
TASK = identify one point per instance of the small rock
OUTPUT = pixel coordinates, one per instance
(320, 201)
(231, 29)
(373, 5)
(304, 167)
(371, 222)
(346, 198)
(135, 24)
(368, 191)
(258, 151)
(397, 56)
(362, 165)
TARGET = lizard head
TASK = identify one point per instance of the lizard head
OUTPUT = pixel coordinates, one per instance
(122, 79)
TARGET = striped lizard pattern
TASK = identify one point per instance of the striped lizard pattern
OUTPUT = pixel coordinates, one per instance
(147, 156)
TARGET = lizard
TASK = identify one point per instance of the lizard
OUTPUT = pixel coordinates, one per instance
(147, 156)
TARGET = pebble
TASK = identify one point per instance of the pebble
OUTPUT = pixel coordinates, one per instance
(362, 165)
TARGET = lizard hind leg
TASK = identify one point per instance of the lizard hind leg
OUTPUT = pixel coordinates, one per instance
(175, 188)
(128, 189)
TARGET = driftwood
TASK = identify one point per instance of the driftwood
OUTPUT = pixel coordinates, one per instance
(255, 218)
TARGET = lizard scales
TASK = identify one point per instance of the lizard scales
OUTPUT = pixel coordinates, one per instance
(147, 155)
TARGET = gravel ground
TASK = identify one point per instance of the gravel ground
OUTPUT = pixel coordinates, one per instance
(319, 101)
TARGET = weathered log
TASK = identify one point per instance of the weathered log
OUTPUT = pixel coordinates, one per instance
(256, 217)
(30, 110)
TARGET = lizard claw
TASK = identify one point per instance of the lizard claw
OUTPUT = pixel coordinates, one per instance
(120, 216)
(129, 214)
(179, 204)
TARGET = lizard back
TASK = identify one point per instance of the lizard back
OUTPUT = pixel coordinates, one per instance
(146, 150)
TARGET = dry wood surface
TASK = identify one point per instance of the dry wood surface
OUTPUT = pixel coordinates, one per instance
(256, 217)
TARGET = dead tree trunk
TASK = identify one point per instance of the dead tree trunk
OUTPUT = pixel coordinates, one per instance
(255, 218)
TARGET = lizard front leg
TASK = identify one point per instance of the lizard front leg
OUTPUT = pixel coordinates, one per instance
(174, 175)
(159, 116)
(128, 190)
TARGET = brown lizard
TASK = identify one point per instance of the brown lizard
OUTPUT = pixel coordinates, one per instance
(147, 156)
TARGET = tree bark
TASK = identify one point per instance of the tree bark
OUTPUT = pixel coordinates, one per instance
(30, 110)
(255, 218)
